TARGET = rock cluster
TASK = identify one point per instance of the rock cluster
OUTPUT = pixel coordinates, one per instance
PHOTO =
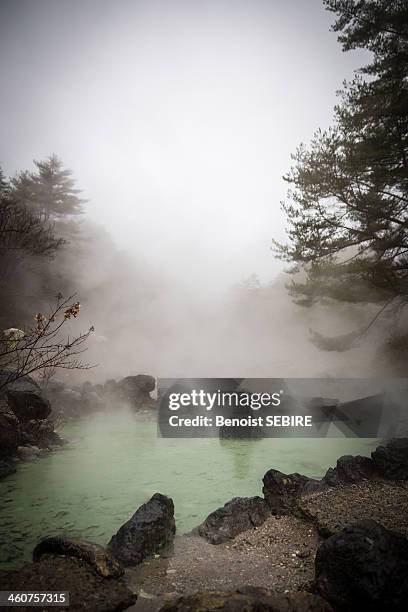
(284, 493)
(70, 403)
(361, 565)
(25, 430)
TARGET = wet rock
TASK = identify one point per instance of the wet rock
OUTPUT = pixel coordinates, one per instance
(24, 428)
(9, 430)
(137, 389)
(236, 516)
(363, 567)
(391, 460)
(28, 453)
(42, 434)
(248, 599)
(26, 401)
(6, 468)
(283, 491)
(87, 589)
(151, 528)
(349, 469)
(99, 558)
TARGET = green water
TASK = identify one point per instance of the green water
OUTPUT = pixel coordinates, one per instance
(114, 464)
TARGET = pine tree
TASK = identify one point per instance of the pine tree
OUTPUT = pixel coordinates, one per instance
(49, 189)
(348, 197)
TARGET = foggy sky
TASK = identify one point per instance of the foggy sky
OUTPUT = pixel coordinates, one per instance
(177, 117)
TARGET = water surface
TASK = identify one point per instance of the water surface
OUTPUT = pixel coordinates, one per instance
(115, 463)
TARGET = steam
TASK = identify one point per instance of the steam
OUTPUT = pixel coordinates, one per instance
(178, 120)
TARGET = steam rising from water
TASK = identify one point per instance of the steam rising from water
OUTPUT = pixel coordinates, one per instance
(178, 120)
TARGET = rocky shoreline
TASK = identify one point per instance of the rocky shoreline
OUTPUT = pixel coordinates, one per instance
(30, 415)
(339, 543)
(26, 431)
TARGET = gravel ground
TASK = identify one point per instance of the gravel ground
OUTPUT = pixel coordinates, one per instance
(279, 556)
(384, 502)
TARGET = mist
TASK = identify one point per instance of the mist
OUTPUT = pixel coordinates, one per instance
(178, 120)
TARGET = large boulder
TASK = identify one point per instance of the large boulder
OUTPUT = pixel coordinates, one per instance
(236, 516)
(88, 590)
(137, 389)
(283, 491)
(391, 461)
(349, 469)
(151, 528)
(26, 401)
(364, 567)
(248, 599)
(93, 554)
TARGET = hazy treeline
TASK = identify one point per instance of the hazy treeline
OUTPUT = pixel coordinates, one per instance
(144, 323)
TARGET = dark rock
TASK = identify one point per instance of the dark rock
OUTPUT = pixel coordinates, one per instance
(23, 422)
(349, 469)
(6, 469)
(391, 460)
(28, 453)
(99, 558)
(282, 491)
(41, 434)
(9, 430)
(364, 567)
(28, 405)
(88, 590)
(236, 516)
(137, 389)
(24, 397)
(151, 528)
(248, 599)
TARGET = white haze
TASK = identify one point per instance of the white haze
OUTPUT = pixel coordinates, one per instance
(178, 119)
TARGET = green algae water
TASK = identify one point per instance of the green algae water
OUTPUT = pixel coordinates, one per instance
(114, 463)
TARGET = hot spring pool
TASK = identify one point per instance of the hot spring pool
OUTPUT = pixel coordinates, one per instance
(113, 464)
